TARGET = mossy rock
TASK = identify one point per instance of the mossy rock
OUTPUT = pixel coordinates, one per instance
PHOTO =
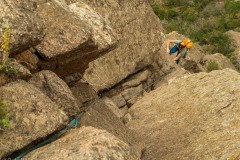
(4, 115)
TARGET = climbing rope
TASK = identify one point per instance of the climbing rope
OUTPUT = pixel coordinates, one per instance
(74, 121)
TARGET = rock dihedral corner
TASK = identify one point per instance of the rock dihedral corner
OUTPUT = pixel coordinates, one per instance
(71, 47)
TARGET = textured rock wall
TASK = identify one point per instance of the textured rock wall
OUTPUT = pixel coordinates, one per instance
(26, 29)
(140, 38)
(193, 117)
(86, 143)
(75, 35)
(32, 116)
(222, 61)
(65, 38)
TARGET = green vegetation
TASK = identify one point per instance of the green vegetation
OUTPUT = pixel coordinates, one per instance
(204, 21)
(4, 115)
(212, 65)
(7, 66)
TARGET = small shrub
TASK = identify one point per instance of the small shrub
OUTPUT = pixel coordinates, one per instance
(212, 65)
(4, 115)
(8, 68)
(232, 7)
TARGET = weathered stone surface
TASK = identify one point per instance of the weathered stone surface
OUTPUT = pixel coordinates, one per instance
(26, 29)
(113, 107)
(140, 39)
(195, 117)
(127, 118)
(32, 116)
(222, 61)
(119, 100)
(60, 37)
(18, 71)
(57, 90)
(102, 34)
(22, 72)
(83, 92)
(137, 79)
(133, 92)
(177, 74)
(28, 59)
(70, 48)
(124, 110)
(86, 143)
(100, 116)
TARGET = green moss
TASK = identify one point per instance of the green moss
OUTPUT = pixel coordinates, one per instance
(4, 115)
(8, 68)
(212, 65)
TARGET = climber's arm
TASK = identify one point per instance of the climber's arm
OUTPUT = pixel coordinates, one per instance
(176, 58)
(168, 45)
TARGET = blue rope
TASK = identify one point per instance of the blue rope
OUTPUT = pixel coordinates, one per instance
(74, 122)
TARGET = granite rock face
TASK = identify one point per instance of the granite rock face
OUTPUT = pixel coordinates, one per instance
(66, 37)
(85, 143)
(221, 61)
(26, 29)
(193, 117)
(139, 31)
(32, 116)
(75, 35)
(57, 90)
(101, 135)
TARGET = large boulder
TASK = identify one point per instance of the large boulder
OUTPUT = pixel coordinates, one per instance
(66, 48)
(139, 30)
(15, 71)
(26, 29)
(221, 61)
(86, 143)
(99, 115)
(28, 59)
(109, 137)
(57, 90)
(83, 92)
(194, 117)
(32, 116)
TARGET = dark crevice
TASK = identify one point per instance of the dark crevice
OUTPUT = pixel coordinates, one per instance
(39, 55)
(118, 86)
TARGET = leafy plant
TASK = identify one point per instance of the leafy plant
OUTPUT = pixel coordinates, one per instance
(212, 65)
(4, 115)
(7, 66)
